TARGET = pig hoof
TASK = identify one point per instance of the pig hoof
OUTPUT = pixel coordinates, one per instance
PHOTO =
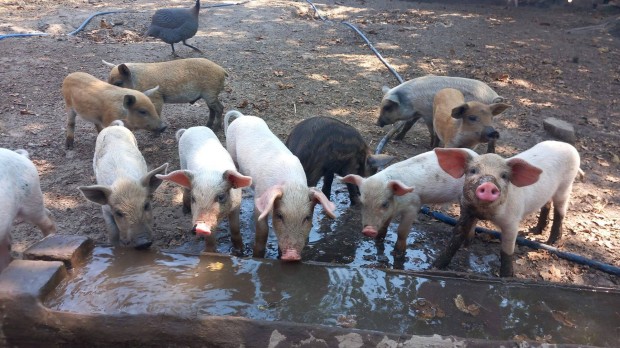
(536, 230)
(554, 241)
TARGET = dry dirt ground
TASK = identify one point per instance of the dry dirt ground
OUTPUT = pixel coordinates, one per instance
(286, 65)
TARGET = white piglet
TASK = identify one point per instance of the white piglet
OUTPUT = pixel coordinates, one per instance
(505, 191)
(124, 187)
(279, 182)
(211, 184)
(21, 198)
(400, 190)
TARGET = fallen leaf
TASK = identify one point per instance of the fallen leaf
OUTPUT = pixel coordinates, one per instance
(285, 85)
(243, 104)
(278, 73)
(561, 317)
(603, 49)
(460, 304)
(26, 112)
(347, 321)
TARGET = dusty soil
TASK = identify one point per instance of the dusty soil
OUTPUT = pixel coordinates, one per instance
(285, 65)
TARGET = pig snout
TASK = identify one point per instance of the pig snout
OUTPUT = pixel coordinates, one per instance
(380, 122)
(142, 242)
(370, 231)
(202, 228)
(489, 133)
(161, 129)
(290, 255)
(488, 192)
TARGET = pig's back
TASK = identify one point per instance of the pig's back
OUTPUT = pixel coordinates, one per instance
(200, 149)
(260, 154)
(117, 155)
(559, 162)
(421, 91)
(430, 183)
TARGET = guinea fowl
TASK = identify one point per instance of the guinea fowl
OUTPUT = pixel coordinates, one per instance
(173, 25)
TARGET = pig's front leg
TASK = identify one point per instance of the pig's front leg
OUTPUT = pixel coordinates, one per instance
(262, 232)
(5, 252)
(235, 232)
(460, 233)
(403, 232)
(509, 237)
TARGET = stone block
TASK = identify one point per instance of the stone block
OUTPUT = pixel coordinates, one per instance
(30, 278)
(71, 250)
(560, 129)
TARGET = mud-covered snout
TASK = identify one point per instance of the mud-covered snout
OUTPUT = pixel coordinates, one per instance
(381, 122)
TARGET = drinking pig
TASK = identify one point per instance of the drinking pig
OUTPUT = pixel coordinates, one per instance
(505, 191)
(460, 124)
(413, 99)
(179, 81)
(211, 184)
(279, 182)
(124, 187)
(21, 198)
(101, 103)
(326, 146)
(400, 190)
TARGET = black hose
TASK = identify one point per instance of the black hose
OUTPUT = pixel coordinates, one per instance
(607, 268)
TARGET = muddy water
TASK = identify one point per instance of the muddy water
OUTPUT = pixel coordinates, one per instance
(126, 281)
(340, 240)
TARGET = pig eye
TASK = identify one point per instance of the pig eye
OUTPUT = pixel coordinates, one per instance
(472, 118)
(119, 214)
(385, 204)
(142, 112)
(193, 199)
(147, 206)
(473, 171)
(504, 176)
(118, 83)
(308, 218)
(279, 216)
(221, 198)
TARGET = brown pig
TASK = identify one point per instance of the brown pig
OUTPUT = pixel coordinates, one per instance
(505, 191)
(179, 81)
(460, 124)
(101, 103)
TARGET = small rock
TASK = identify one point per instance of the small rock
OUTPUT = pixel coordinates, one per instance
(560, 129)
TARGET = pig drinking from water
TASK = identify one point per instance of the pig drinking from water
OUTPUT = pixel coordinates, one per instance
(211, 184)
(413, 99)
(326, 146)
(101, 103)
(21, 198)
(505, 191)
(460, 124)
(124, 187)
(179, 81)
(400, 190)
(279, 182)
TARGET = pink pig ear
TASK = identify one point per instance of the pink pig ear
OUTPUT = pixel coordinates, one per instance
(236, 179)
(399, 188)
(319, 197)
(452, 161)
(179, 177)
(352, 179)
(523, 173)
(265, 202)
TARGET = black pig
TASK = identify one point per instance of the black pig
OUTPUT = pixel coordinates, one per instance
(326, 146)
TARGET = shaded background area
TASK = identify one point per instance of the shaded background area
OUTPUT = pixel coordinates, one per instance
(286, 65)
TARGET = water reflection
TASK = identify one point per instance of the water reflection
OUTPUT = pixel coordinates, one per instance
(128, 281)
